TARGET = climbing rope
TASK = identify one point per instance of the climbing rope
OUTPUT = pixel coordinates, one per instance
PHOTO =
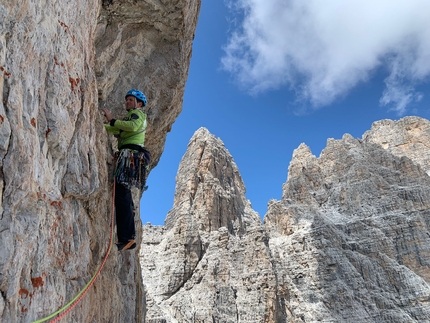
(69, 306)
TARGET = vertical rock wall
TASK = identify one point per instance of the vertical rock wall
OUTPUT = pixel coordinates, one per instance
(146, 45)
(59, 61)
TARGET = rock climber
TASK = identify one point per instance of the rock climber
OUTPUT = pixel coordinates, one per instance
(132, 159)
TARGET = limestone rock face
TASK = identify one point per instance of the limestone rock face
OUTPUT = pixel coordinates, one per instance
(350, 237)
(146, 44)
(59, 62)
(408, 137)
(208, 180)
(348, 242)
(211, 261)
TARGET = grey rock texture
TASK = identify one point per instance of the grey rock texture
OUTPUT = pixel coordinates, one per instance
(146, 44)
(350, 236)
(349, 240)
(211, 261)
(409, 137)
(59, 62)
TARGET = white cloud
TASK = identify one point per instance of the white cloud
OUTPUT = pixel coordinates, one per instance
(323, 48)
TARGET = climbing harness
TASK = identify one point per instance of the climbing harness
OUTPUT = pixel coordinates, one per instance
(69, 306)
(131, 168)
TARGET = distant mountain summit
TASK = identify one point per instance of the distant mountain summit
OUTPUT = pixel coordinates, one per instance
(349, 240)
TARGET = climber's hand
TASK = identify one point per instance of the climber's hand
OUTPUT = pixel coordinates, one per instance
(107, 114)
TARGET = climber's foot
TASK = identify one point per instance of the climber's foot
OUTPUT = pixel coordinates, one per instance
(130, 244)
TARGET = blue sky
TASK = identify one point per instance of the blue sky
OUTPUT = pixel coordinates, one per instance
(268, 75)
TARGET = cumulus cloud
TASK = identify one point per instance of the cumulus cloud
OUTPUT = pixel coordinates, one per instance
(322, 49)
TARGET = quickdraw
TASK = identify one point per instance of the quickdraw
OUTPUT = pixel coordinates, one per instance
(131, 168)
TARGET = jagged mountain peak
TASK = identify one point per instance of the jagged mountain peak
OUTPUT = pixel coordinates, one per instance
(348, 241)
(409, 137)
(352, 218)
(189, 264)
(209, 188)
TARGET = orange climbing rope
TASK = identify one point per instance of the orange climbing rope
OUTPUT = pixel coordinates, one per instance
(69, 306)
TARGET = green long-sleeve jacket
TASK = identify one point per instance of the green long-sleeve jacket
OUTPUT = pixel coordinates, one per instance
(131, 129)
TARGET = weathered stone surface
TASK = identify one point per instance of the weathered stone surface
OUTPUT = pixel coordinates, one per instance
(146, 45)
(208, 180)
(348, 242)
(408, 137)
(350, 237)
(59, 61)
(211, 261)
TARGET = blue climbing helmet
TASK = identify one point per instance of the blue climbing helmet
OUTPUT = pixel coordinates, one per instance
(138, 95)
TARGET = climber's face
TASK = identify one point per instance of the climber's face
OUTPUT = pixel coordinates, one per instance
(131, 103)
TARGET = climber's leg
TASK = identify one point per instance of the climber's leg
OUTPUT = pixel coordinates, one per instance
(124, 214)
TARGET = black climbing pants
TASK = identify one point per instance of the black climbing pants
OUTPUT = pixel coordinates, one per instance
(124, 209)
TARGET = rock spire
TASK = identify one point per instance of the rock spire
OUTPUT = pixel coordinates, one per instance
(211, 261)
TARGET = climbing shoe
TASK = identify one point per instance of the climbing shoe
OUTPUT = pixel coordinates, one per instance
(131, 244)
